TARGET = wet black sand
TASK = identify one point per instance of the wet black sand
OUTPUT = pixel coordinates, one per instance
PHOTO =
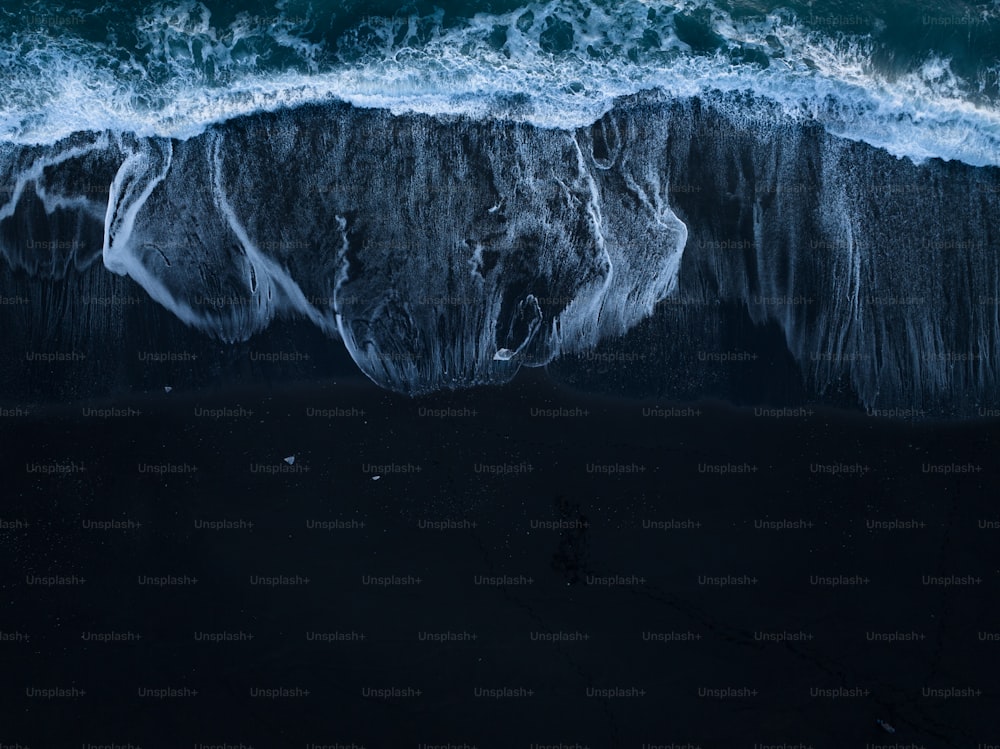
(612, 526)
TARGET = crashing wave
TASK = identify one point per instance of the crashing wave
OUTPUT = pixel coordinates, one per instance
(556, 64)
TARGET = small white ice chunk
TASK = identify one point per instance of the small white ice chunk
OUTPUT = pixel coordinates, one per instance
(167, 388)
(290, 460)
(376, 478)
(503, 354)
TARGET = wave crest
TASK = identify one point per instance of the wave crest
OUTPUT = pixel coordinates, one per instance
(555, 64)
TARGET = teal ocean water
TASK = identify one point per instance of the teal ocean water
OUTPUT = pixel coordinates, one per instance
(918, 78)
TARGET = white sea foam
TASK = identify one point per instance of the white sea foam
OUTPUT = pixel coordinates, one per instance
(187, 74)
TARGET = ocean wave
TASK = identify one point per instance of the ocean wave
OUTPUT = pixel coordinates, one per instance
(448, 254)
(176, 70)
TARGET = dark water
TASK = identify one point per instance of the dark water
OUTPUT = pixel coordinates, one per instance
(261, 37)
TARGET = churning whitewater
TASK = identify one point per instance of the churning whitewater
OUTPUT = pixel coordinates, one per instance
(172, 70)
